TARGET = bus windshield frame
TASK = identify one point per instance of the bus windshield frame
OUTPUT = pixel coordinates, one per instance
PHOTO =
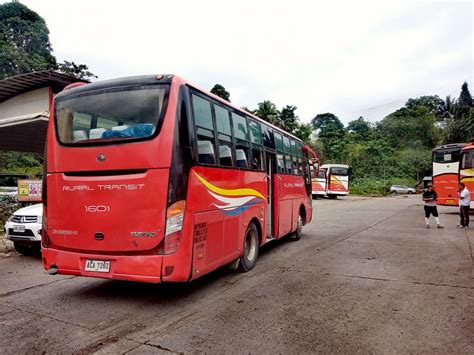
(454, 156)
(158, 121)
(341, 171)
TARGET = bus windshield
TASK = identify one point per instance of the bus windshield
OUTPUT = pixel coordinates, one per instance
(339, 171)
(110, 115)
(468, 160)
(446, 156)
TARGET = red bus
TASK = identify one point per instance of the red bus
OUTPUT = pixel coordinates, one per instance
(445, 173)
(153, 179)
(466, 168)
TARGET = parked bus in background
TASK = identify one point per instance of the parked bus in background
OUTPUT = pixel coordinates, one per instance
(318, 182)
(337, 180)
(445, 173)
(153, 179)
(466, 168)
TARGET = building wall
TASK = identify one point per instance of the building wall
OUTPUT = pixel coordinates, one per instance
(27, 103)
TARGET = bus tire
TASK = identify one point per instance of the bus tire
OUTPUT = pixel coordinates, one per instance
(250, 251)
(299, 229)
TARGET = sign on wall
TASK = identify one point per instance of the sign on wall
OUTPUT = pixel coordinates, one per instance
(29, 190)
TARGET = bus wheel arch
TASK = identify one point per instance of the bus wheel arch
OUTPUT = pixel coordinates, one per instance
(300, 222)
(251, 245)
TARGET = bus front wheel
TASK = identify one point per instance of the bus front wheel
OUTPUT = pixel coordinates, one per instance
(250, 253)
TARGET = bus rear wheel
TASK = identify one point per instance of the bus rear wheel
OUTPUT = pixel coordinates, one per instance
(250, 253)
(299, 229)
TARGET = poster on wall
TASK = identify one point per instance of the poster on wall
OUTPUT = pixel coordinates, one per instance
(29, 190)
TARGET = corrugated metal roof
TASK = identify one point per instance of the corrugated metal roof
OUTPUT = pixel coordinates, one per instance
(22, 83)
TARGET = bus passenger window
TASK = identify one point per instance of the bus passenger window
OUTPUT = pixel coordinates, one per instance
(225, 154)
(288, 164)
(295, 166)
(241, 158)
(280, 164)
(257, 159)
(206, 152)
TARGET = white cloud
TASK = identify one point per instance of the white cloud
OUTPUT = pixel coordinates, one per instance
(341, 57)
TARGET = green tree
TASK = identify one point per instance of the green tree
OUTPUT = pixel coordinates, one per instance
(330, 131)
(432, 102)
(289, 120)
(359, 129)
(24, 41)
(220, 91)
(25, 46)
(459, 126)
(80, 71)
(267, 111)
(304, 132)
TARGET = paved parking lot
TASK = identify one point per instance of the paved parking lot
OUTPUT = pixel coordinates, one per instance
(367, 276)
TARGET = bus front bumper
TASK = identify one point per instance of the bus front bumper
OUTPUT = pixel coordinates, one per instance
(141, 268)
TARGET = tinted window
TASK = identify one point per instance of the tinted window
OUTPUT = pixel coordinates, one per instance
(446, 156)
(280, 164)
(202, 112)
(240, 127)
(468, 160)
(321, 174)
(268, 137)
(339, 171)
(278, 142)
(255, 132)
(286, 144)
(257, 160)
(109, 115)
(222, 120)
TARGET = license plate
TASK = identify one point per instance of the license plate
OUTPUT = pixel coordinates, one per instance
(19, 229)
(450, 202)
(97, 265)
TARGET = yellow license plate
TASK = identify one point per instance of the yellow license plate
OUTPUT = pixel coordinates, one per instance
(450, 202)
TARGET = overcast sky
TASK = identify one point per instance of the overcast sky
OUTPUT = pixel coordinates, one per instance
(350, 58)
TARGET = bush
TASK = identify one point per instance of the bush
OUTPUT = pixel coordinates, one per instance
(376, 186)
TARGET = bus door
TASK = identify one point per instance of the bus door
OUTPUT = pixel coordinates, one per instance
(270, 164)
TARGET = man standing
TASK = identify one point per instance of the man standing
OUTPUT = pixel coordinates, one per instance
(464, 205)
(430, 197)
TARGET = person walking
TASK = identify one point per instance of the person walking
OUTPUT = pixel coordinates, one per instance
(464, 205)
(429, 197)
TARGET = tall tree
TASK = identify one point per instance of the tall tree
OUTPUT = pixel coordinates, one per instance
(25, 46)
(289, 120)
(331, 133)
(359, 129)
(80, 71)
(459, 126)
(24, 41)
(220, 91)
(267, 111)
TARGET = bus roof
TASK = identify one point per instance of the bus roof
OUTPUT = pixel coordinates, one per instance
(468, 146)
(452, 146)
(327, 166)
(158, 79)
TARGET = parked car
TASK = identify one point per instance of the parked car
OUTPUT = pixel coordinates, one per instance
(401, 189)
(9, 184)
(23, 228)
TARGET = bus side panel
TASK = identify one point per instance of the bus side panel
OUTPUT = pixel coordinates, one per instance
(222, 202)
(290, 194)
(467, 177)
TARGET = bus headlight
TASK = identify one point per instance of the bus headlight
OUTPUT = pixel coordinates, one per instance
(174, 225)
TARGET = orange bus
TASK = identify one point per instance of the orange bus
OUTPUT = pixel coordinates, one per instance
(466, 168)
